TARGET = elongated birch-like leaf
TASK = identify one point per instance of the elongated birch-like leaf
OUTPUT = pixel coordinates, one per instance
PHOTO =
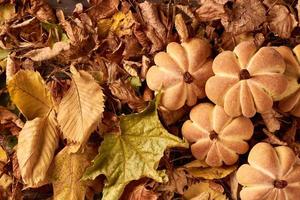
(81, 108)
(133, 154)
(36, 146)
(29, 92)
(67, 172)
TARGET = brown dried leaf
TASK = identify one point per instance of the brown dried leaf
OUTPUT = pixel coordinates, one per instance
(42, 10)
(157, 43)
(281, 21)
(126, 94)
(140, 192)
(10, 121)
(246, 16)
(210, 10)
(151, 17)
(103, 8)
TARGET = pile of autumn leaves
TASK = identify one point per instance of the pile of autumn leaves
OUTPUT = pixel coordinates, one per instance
(77, 115)
(238, 83)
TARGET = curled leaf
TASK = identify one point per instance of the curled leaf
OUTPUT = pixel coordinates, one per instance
(29, 92)
(47, 53)
(81, 108)
(37, 143)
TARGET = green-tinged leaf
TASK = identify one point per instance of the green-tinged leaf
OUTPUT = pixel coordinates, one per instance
(135, 82)
(29, 92)
(3, 53)
(68, 169)
(203, 191)
(7, 11)
(81, 108)
(37, 143)
(134, 153)
(200, 169)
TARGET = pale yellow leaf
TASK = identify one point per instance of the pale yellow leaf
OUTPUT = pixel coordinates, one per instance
(81, 108)
(37, 143)
(7, 11)
(67, 172)
(3, 156)
(200, 169)
(29, 92)
(203, 191)
(5, 181)
(47, 53)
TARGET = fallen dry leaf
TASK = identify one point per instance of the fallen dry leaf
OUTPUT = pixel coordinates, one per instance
(181, 28)
(103, 8)
(211, 10)
(151, 17)
(68, 169)
(29, 92)
(37, 143)
(281, 21)
(203, 191)
(47, 53)
(200, 169)
(126, 94)
(246, 16)
(80, 110)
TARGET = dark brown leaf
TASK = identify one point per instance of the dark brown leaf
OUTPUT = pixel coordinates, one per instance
(103, 8)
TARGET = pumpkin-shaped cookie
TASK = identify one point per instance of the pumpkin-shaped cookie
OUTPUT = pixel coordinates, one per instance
(272, 174)
(215, 136)
(246, 80)
(181, 73)
(290, 99)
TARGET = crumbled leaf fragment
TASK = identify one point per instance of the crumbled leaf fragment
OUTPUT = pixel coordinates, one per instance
(132, 154)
